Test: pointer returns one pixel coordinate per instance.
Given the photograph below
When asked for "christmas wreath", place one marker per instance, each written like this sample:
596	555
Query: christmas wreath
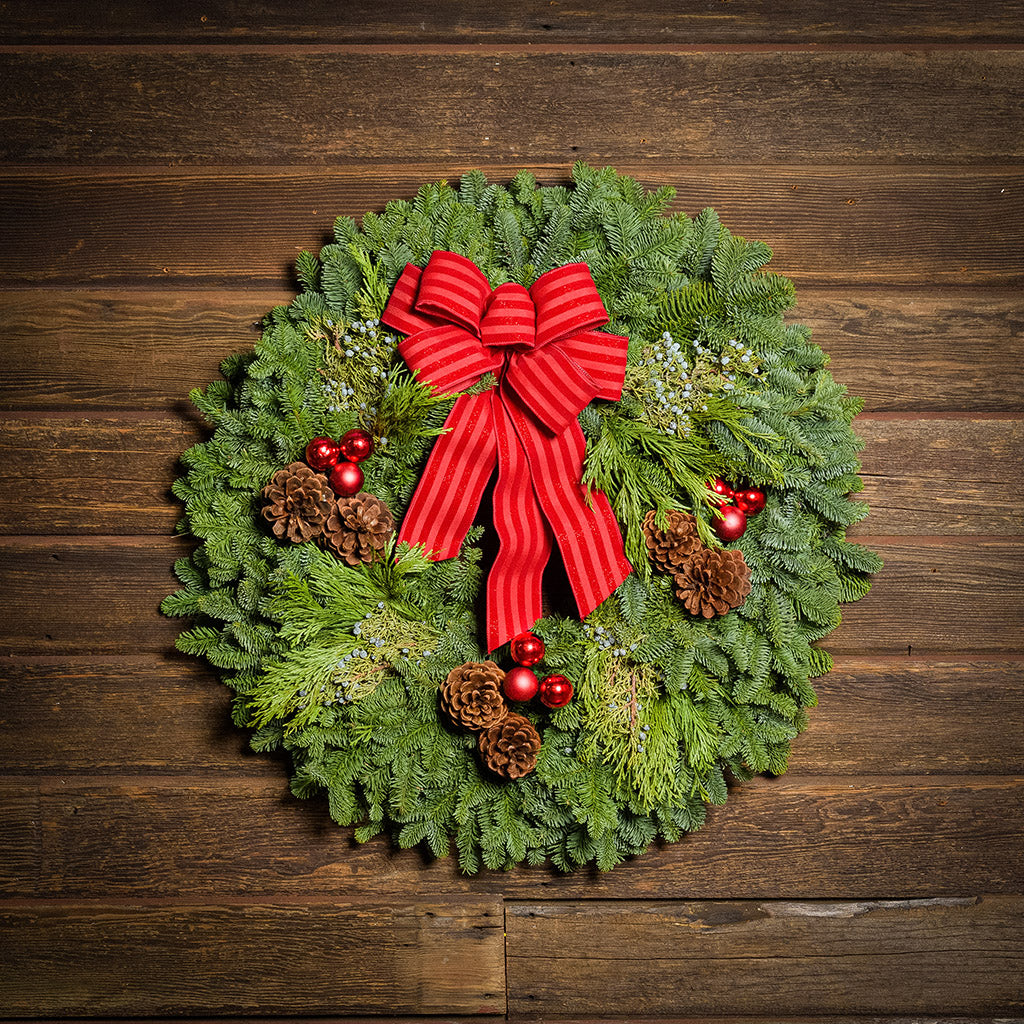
519	525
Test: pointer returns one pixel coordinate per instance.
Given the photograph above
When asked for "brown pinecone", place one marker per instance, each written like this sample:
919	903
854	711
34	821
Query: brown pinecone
670	549
713	581
471	695
358	528
297	502
510	748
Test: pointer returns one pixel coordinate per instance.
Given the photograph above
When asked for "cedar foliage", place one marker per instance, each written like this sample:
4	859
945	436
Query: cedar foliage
341	666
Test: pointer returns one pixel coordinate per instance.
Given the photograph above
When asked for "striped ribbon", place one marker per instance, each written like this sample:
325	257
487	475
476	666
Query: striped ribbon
550	363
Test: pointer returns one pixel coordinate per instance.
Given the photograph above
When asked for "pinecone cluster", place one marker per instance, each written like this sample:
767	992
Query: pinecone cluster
708	581
300	506
471	697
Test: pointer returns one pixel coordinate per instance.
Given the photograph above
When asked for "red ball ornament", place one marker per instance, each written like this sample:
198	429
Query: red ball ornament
750	501
346	479
732	524
719	486
756	500
520	684
322	453
356	445
527	649
555	691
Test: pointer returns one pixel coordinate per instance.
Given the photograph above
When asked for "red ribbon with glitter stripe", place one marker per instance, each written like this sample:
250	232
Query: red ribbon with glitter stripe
550	363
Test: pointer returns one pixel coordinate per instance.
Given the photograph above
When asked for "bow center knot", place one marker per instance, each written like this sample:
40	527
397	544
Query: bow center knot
510	320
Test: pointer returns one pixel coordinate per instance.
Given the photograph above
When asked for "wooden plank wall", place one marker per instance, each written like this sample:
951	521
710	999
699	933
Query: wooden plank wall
162	166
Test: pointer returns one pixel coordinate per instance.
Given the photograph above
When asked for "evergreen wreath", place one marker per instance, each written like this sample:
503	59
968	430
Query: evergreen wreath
696	669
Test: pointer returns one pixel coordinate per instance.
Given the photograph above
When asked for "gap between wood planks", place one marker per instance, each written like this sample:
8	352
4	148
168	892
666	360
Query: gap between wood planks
461	48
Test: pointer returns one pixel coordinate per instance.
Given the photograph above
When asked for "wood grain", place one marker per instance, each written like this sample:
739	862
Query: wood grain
113	474
896	716
112	610
941	476
961	595
878	225
171	716
363	957
941	596
93	475
114	349
795	837
130	715
325	107
109	349
897	957
920	351
541	22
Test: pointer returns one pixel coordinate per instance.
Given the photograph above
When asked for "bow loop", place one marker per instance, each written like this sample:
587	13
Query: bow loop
567	302
448	358
453	288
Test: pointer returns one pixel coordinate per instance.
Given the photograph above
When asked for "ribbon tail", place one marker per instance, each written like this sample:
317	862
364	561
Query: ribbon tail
588	534
514	601
453	482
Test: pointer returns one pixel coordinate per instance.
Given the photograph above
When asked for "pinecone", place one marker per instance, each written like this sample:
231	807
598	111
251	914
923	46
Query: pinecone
358	528
471	695
510	748
713	581
670	549
298	500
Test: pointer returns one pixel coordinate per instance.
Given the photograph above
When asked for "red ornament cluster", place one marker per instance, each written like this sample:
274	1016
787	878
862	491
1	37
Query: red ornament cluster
735	505
521	683
340	460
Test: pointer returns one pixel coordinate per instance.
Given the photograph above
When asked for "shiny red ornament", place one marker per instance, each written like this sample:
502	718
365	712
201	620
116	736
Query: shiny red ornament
527	649
356	445
750	501
555	691
520	684
322	453
719	486
732	524
346	479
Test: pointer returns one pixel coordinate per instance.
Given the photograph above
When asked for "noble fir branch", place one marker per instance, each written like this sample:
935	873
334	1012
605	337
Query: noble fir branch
699	735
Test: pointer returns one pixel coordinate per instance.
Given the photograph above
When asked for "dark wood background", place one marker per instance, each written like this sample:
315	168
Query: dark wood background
164	164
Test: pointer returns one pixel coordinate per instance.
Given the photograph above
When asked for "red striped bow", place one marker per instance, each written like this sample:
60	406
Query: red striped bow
549	364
